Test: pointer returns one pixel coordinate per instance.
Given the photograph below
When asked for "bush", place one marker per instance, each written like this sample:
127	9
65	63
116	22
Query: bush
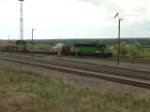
135	49
123	49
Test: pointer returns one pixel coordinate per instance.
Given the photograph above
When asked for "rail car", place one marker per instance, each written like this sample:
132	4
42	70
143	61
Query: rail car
9	48
98	50
15	48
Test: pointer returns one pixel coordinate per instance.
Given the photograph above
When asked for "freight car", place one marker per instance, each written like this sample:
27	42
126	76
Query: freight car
98	50
9	48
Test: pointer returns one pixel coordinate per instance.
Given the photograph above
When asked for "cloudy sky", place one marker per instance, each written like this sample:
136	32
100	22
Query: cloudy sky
68	19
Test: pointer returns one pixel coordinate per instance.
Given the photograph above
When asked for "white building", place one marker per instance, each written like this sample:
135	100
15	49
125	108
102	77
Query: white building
58	46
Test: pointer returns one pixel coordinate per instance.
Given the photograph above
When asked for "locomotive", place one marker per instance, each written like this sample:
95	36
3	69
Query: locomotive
98	50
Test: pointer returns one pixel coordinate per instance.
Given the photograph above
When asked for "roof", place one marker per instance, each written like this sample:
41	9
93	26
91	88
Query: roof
89	45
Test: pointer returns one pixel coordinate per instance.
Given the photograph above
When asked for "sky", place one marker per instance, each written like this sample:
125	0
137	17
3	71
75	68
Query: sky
71	19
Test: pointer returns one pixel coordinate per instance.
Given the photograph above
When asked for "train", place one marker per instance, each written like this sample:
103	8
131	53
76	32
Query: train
98	50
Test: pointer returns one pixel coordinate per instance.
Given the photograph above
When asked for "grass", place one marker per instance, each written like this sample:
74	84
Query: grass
25	91
144	54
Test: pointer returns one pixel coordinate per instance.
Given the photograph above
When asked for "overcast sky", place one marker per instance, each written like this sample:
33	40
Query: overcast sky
66	19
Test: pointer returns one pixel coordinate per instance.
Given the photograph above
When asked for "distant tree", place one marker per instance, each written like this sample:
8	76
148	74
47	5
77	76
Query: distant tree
135	49
94	42
28	46
138	46
31	43
51	43
20	42
123	48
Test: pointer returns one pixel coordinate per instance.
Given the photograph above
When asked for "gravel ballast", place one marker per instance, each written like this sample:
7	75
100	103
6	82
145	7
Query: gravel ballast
79	81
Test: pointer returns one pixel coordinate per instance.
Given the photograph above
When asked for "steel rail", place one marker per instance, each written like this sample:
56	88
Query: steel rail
116	73
84	73
141	71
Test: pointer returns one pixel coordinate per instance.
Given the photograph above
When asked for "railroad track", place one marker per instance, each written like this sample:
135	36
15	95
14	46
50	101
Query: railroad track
83	73
144	75
123	59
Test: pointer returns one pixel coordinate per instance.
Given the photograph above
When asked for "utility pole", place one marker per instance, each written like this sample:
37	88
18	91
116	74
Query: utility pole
32	41
8	40
76	46
118	36
119	41
59	45
131	44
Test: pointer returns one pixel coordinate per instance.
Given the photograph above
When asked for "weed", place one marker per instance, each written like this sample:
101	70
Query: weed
39	93
3	89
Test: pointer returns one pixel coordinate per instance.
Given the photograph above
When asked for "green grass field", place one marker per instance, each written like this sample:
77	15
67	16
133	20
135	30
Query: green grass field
144	54
25	91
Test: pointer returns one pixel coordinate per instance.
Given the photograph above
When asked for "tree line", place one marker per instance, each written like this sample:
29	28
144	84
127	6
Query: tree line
111	41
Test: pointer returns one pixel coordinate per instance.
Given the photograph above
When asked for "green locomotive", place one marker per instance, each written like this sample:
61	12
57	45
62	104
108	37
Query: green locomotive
98	50
91	49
